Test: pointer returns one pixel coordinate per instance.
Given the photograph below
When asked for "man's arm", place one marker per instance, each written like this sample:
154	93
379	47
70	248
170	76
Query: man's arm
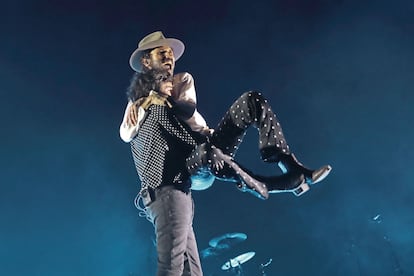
130	123
184	94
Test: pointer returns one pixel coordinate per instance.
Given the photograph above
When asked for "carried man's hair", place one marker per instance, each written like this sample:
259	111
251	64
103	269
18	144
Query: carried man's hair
143	82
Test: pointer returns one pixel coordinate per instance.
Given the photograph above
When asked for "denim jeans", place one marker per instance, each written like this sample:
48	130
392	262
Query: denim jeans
172	211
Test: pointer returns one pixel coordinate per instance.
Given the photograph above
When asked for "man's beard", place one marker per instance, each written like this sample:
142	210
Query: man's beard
168	65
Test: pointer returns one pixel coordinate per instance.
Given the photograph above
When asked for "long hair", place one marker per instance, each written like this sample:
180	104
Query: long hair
143	82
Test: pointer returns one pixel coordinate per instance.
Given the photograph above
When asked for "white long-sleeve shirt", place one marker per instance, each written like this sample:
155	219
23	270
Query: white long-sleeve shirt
183	92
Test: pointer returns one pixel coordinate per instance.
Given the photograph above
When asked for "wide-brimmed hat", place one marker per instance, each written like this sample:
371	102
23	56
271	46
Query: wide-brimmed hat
154	40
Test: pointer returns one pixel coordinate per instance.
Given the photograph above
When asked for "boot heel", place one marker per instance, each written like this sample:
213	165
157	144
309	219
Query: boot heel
303	188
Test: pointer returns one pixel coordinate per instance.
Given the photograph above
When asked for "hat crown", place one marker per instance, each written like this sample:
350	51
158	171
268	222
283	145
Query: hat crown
151	38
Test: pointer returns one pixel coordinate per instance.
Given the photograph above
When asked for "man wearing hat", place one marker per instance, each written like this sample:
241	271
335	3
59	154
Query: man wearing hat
177	250
160	144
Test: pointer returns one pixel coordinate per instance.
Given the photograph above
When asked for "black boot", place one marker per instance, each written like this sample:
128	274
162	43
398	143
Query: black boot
289	164
288	182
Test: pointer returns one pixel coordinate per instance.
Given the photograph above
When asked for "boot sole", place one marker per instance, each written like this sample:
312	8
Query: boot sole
298	191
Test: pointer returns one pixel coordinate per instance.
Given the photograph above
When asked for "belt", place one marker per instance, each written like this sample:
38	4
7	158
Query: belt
149	194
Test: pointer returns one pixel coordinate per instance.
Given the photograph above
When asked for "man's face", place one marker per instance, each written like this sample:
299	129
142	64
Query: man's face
161	58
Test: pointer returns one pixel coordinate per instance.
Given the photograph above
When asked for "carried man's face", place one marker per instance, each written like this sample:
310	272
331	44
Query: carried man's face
161	58
166	87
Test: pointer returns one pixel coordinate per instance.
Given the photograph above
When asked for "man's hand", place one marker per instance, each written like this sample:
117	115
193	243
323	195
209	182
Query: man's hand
217	163
207	131
132	118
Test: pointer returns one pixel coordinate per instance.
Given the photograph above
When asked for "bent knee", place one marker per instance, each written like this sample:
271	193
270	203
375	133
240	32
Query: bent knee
253	94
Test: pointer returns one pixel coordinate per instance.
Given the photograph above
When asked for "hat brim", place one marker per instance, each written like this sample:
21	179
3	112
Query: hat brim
176	45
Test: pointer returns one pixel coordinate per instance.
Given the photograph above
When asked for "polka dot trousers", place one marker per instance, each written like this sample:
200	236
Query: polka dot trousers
251	109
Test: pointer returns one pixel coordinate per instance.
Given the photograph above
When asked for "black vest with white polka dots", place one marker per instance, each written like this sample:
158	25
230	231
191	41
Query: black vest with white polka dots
161	147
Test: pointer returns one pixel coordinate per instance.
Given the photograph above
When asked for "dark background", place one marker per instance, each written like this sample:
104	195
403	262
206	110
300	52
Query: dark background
339	75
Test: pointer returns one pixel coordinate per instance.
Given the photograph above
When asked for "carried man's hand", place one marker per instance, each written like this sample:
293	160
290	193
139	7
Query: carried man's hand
132	118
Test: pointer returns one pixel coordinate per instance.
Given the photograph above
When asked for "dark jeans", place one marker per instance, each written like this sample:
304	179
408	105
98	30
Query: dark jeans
172	211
